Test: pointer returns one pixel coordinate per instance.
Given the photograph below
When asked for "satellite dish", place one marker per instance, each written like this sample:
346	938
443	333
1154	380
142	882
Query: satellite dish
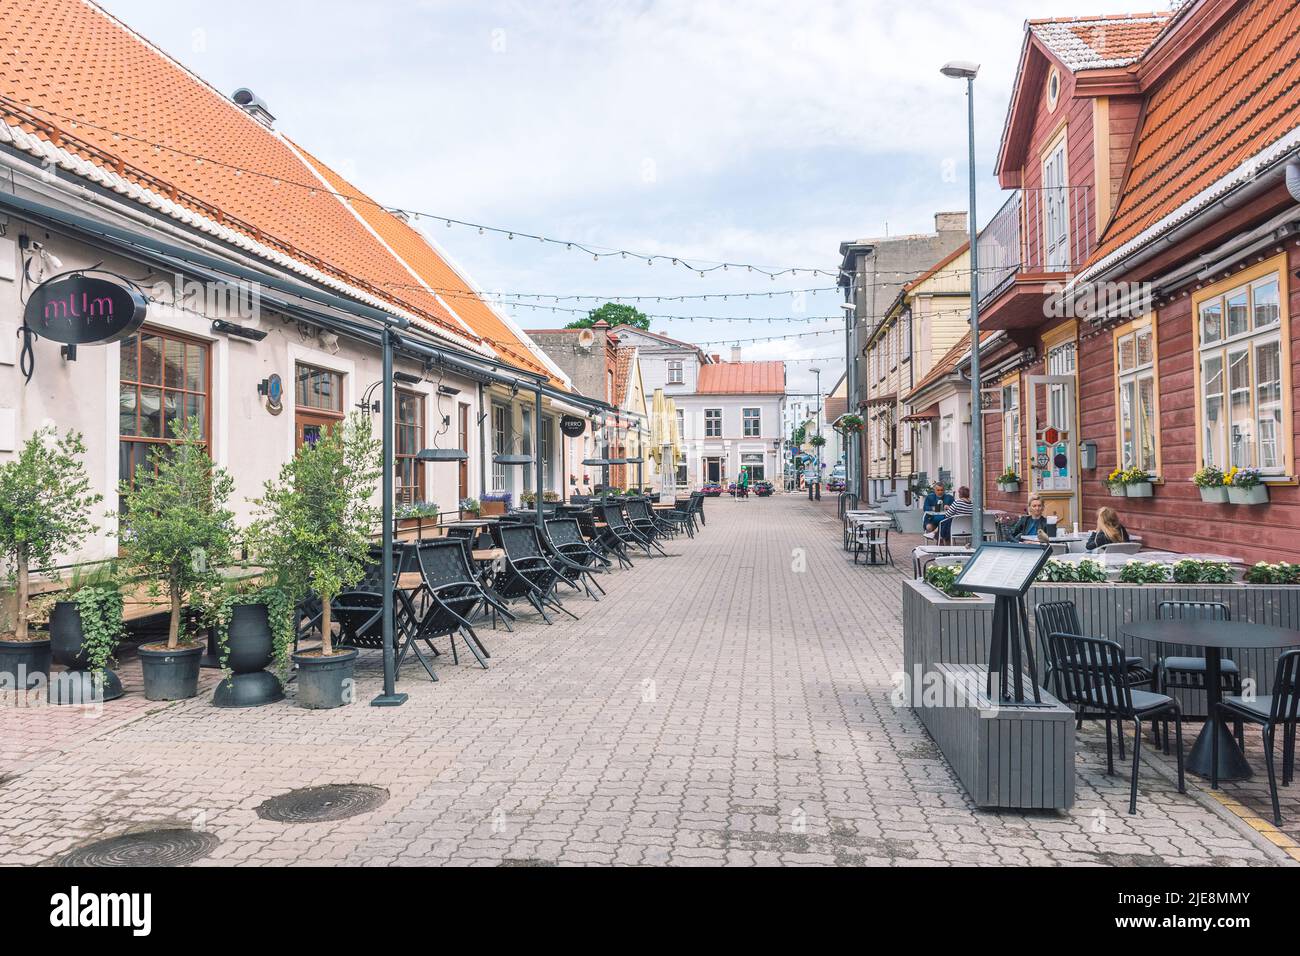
586	339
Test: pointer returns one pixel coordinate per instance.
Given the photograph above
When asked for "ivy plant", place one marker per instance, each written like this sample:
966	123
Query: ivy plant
97	594
315	519
280	608
45	507
177	531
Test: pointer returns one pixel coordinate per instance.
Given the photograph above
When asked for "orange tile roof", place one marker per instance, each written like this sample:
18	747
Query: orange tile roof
1230	98
1100	42
742	378
835	407
623	355
80	79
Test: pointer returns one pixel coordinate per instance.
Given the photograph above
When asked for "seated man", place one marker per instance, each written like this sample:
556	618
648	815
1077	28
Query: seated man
962	506
1031	523
936	504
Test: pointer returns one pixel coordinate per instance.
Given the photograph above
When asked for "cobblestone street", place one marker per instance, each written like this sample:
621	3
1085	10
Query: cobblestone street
727	705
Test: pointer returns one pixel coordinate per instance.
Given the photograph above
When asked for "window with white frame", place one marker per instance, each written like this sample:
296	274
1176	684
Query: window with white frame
676	373
681	424
1062	359
527	445
1056	212
1011	426
500	444
1135	379
753	422
1243	377
713	423
907	336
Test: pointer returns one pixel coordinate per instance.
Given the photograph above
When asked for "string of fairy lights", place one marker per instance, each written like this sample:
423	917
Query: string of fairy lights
551	302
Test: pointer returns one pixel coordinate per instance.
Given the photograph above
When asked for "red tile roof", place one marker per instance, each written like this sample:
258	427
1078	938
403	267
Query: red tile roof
1235	94
623	356
1100	42
79	79
742	378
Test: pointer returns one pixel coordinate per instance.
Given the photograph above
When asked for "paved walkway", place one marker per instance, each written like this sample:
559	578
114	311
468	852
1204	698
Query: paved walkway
727	705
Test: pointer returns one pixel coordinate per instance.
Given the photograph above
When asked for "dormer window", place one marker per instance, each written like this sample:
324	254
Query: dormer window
1053	88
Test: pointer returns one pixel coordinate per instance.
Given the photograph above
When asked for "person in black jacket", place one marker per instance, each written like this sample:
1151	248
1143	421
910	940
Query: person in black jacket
1032	522
1109	530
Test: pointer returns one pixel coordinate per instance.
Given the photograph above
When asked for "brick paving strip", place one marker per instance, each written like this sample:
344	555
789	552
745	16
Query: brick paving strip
728	705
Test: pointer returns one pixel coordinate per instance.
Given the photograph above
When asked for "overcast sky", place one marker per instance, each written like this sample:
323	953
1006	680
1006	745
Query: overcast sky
764	132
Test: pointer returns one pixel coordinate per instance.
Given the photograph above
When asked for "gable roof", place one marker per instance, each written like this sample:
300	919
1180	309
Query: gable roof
950	361
1232	97
742	378
659	336
82	90
1099	42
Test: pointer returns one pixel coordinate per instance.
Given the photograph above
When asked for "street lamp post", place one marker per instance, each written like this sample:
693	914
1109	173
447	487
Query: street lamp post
849	311
817	478
962	70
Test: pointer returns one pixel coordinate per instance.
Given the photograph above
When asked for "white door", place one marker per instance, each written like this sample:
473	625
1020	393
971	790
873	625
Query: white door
1056	214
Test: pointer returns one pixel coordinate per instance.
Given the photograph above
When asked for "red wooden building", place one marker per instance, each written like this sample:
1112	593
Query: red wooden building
1145	270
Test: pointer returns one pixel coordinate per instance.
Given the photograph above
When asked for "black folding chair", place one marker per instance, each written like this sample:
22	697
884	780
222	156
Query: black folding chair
450	594
1273	712
601	540
576	560
624	533
641	518
1091	675
359	610
526	573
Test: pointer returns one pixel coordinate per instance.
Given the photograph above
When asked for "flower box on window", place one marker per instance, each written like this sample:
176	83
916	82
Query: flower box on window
1210	482
1245	486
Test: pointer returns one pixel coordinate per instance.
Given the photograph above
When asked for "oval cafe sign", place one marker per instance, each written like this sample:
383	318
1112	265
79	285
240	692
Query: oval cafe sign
81	310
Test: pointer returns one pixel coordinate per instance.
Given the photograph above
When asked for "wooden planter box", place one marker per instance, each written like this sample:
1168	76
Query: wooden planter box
1004	756
488	508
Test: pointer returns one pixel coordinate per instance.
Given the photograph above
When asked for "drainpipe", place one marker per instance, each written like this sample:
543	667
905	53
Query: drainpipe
482	447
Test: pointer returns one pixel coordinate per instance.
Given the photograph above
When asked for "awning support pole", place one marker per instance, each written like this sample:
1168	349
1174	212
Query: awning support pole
390	697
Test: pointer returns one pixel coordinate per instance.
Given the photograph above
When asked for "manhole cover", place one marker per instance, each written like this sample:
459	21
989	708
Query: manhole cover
336	801
147	848
527	861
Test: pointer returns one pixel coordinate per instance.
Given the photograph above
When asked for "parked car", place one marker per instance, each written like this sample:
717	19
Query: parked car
763	489
712	489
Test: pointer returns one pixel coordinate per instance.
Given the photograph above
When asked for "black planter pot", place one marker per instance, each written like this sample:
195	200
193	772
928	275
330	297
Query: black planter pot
325	682
251	647
170	674
24	663
76	685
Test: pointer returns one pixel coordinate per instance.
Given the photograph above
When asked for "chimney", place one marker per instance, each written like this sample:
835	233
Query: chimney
950	222
249	102
735	353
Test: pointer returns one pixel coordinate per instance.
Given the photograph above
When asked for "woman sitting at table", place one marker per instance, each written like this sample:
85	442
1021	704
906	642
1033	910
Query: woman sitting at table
1109	530
961	507
936	505
1032	522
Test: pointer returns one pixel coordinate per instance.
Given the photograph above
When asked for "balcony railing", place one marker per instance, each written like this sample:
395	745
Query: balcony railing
1041	231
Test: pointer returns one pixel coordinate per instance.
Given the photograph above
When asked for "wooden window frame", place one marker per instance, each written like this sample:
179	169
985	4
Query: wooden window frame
1247	278
399	458
336	413
163	438
1136	374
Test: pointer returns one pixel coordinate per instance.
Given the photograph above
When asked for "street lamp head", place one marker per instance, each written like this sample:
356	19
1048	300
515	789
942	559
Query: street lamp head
847	306
960	70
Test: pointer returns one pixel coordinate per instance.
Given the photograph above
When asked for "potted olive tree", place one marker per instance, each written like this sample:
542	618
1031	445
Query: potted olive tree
177	535
313	530
45	507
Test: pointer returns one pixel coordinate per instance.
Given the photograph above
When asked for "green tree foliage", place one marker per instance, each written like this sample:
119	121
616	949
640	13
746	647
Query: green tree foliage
177	531
613	313
315	520
45	505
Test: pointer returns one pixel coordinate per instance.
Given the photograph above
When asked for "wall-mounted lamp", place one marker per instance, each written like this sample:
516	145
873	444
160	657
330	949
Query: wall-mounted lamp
441	454
238	331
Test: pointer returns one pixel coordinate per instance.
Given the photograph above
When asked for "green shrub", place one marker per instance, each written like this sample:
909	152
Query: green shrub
1194	571
1144	572
1279	573
943	576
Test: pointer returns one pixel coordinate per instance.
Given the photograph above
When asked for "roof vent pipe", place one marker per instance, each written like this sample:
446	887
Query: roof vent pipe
1293	180
249	102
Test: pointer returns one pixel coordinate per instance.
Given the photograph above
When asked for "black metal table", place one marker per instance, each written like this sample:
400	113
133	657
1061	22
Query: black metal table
1212	637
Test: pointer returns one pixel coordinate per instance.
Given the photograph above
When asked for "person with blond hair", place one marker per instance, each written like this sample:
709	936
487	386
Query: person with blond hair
1109	530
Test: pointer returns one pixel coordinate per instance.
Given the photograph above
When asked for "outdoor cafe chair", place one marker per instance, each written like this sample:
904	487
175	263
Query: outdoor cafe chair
1179	671
1092	674
359	610
620	529
574	554
872	536
641	520
451	594
1062	617
1119	547
1273	712
601	540
526	573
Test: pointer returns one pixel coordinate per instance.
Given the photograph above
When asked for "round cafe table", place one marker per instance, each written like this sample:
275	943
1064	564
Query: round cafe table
1213	637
